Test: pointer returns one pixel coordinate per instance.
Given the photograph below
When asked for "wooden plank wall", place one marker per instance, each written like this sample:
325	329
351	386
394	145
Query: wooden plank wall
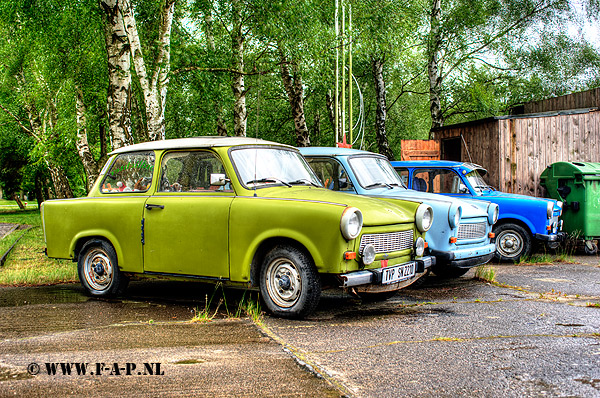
584	99
482	143
515	151
420	150
529	145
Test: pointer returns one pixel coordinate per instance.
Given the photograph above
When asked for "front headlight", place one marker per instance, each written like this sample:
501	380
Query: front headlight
549	209
351	222
454	216
493	213
420	247
424	217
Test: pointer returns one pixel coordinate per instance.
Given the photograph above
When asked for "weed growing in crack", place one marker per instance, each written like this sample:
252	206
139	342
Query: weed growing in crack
485	273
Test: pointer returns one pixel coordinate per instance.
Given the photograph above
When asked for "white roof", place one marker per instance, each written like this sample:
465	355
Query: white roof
195	142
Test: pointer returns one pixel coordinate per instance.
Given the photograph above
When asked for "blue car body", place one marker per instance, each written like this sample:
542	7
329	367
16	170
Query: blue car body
458	242
537	217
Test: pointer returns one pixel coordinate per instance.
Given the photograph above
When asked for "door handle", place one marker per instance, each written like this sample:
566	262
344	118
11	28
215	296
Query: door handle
150	207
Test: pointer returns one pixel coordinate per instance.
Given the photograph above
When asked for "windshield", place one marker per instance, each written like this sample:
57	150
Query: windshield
374	172
258	167
477	182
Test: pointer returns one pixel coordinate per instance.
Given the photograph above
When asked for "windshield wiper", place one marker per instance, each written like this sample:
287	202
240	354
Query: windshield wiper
484	187
379	184
268	179
302	181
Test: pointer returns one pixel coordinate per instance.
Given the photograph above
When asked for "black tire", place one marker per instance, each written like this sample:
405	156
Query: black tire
421	281
446	272
512	242
289	283
99	271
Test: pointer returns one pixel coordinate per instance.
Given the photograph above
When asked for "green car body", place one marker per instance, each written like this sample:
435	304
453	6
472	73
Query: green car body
215	224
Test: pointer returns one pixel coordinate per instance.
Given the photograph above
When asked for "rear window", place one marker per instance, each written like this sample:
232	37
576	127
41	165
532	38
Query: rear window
130	172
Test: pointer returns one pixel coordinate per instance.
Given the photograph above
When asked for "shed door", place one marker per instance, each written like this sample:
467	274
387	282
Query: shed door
451	149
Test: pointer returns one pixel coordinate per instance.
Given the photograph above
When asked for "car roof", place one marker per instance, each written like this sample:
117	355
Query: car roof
195	142
438	163
333	151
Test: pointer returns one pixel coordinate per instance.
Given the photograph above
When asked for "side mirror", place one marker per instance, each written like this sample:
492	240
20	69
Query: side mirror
218	180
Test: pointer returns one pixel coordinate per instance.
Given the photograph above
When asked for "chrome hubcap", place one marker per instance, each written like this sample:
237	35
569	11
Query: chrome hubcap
98	270
283	283
510	243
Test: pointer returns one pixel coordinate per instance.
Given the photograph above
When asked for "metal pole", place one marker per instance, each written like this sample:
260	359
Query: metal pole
337	71
343	71
350	126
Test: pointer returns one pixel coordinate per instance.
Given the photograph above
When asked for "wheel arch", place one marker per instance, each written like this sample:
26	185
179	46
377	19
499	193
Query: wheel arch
522	223
82	239
264	247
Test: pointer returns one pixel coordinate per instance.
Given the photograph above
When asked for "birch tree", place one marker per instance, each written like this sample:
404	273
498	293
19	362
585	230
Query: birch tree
119	74
153	76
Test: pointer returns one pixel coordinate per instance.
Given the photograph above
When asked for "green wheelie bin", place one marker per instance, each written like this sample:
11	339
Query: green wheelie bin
577	184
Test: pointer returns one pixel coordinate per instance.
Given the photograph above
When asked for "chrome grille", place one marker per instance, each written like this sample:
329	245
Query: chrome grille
390	242
471	231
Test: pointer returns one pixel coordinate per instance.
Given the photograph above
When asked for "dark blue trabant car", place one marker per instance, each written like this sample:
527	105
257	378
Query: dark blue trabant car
523	220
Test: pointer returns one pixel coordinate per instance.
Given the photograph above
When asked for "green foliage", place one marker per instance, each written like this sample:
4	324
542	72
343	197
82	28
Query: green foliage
495	53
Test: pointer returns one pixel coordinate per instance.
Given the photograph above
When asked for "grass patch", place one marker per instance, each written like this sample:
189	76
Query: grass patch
595	305
27	264
546	259
485	273
247	306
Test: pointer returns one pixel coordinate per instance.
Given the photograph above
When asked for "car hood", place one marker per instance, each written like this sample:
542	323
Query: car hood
505	195
375	211
440	203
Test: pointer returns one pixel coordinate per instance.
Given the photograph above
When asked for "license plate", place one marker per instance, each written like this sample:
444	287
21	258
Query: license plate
398	273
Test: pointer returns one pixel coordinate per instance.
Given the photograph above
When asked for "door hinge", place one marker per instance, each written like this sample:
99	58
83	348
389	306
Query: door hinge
142	231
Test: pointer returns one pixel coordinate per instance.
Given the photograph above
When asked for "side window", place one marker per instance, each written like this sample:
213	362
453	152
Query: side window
130	172
403	173
437	181
193	171
331	173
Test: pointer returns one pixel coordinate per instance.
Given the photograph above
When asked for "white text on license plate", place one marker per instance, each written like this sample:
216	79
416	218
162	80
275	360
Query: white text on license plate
397	273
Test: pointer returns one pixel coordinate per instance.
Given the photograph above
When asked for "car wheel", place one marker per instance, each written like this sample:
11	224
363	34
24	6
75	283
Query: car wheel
512	242
99	271
289	282
590	247
446	272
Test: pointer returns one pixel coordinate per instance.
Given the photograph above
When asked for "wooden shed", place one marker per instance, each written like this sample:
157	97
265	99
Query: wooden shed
516	148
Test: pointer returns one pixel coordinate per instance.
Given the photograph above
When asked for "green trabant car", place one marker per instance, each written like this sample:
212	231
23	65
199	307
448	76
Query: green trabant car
243	211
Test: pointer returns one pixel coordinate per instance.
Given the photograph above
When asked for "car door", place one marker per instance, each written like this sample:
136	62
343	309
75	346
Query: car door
186	221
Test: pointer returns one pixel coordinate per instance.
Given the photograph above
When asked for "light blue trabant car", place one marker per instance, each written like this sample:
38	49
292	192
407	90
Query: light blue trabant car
523	220
461	235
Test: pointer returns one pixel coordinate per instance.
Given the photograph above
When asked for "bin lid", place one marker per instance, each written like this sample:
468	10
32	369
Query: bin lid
583	170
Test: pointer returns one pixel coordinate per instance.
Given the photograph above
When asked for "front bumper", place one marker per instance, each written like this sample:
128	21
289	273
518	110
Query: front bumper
465	258
373	276
558	237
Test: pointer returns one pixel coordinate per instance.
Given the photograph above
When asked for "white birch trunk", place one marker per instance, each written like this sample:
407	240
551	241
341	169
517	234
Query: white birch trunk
154	87
119	75
237	85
